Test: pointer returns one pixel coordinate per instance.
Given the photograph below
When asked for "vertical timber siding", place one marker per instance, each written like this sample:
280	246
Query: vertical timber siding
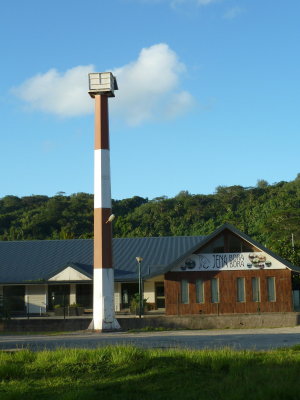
228	292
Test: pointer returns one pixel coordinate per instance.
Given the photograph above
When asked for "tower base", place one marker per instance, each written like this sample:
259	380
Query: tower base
105	326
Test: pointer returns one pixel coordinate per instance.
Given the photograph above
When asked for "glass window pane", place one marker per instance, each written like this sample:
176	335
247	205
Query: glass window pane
215	290
199	291
255	289
240	284
184	291
217	246
271	288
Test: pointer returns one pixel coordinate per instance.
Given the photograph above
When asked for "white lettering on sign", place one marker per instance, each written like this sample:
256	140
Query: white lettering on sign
229	261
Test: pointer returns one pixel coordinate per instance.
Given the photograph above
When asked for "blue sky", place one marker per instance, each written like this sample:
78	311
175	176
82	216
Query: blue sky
208	94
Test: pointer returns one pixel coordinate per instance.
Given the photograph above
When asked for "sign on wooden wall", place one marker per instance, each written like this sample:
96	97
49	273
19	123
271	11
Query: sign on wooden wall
229	262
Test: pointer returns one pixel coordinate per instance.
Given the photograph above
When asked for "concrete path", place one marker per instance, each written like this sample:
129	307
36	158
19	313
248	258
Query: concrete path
254	339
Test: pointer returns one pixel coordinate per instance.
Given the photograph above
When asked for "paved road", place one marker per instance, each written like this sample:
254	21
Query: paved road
257	339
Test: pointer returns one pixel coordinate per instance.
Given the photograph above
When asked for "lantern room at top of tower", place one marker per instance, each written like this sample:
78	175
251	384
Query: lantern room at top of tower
103	83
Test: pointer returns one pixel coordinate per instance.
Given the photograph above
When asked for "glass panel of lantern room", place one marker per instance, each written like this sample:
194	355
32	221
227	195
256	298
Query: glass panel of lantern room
184	291
271	288
199	291
255	289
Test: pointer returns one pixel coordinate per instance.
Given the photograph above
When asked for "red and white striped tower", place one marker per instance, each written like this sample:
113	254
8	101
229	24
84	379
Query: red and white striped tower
102	86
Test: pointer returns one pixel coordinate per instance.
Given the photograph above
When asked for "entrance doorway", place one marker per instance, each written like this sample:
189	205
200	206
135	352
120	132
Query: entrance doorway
128	290
160	302
84	295
58	295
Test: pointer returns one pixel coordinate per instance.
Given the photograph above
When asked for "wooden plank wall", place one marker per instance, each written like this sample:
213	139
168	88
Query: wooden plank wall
228	292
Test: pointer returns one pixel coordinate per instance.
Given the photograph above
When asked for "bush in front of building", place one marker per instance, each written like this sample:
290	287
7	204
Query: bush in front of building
135	304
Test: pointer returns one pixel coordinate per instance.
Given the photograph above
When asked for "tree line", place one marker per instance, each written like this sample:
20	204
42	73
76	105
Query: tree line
268	213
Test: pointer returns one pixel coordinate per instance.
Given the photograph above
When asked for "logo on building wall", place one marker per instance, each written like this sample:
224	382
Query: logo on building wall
228	261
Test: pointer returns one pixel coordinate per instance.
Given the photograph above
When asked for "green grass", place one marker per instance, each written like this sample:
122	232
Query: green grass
129	373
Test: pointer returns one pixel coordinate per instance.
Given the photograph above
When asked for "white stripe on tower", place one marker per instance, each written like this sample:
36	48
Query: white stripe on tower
103	308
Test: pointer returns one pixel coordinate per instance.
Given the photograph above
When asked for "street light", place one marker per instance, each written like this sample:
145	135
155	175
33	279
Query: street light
139	260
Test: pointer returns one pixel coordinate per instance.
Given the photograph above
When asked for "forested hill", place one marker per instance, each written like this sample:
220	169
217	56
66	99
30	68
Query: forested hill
268	213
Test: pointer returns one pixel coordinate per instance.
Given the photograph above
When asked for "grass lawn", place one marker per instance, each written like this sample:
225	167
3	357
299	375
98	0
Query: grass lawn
129	373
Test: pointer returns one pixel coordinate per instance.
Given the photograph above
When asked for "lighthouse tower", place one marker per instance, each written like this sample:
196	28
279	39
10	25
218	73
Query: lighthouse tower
101	86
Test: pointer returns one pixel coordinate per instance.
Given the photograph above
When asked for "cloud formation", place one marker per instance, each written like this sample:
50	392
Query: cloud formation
61	94
149	89
148	86
178	2
233	13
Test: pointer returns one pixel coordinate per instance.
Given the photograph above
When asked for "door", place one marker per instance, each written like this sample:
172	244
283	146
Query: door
159	295
128	290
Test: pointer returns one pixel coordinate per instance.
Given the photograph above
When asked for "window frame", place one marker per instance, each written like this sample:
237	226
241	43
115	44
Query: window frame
215	299
184	291
200	299
256	296
269	278
239	298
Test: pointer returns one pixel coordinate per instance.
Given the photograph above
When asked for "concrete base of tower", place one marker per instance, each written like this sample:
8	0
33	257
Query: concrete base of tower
104	308
110	326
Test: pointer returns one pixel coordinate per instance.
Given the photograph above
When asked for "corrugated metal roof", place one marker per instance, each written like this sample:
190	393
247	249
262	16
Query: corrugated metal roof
38	260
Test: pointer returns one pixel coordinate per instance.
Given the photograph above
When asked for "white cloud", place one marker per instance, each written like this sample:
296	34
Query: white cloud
179	104
178	2
149	88
233	13
61	94
205	2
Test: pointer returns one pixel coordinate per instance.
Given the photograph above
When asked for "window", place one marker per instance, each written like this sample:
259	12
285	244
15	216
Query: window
199	291
215	290
255	289
271	288
216	246
240	287
237	245
227	243
184	291
15	297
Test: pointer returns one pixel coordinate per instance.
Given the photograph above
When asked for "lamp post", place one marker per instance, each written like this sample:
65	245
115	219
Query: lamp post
101	86
139	260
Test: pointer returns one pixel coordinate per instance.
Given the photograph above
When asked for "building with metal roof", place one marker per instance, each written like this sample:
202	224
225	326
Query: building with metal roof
220	273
